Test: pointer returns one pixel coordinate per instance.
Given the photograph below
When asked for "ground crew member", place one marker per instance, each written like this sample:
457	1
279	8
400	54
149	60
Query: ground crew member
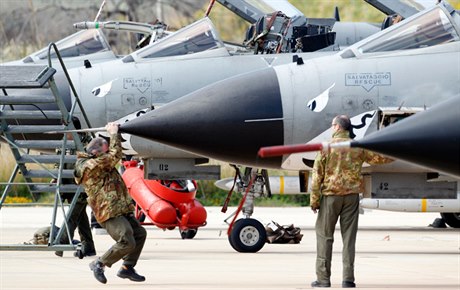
336	184
112	206
78	218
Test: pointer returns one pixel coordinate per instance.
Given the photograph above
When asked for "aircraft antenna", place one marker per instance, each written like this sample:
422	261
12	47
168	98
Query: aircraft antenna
337	14
100	10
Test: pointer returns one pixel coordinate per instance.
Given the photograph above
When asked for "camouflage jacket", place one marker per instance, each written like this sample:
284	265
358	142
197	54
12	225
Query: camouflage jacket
338	172
107	193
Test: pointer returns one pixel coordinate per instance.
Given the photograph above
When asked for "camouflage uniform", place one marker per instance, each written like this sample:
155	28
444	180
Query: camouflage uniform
112	206
336	184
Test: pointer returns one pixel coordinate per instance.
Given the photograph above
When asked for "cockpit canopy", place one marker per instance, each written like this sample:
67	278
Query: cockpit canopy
81	43
433	27
197	37
253	10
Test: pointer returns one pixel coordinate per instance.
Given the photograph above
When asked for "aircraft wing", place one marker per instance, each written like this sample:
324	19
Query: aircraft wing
253	10
405	8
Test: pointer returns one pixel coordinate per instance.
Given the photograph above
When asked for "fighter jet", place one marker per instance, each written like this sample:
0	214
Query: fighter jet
398	72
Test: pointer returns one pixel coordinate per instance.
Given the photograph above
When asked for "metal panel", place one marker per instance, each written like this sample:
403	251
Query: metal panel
410	185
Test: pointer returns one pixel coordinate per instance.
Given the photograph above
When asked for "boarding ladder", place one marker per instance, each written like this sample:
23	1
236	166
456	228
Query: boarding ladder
22	127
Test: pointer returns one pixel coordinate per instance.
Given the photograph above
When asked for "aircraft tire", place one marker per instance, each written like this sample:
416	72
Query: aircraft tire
451	218
247	236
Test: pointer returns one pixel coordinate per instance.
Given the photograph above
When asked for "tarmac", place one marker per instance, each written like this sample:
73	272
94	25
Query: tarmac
394	251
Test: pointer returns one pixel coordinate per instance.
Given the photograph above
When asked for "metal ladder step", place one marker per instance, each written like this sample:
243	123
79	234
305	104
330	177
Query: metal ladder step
25	76
35	173
14	129
52	188
25	100
26	158
44	144
31	115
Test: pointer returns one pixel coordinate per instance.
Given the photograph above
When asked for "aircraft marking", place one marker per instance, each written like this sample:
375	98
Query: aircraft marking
281	185
368	80
362	125
269	60
142	84
368	104
103	90
320	102
158	81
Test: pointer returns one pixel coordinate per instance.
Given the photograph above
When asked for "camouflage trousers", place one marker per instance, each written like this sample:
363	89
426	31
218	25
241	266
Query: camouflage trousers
130	237
331	208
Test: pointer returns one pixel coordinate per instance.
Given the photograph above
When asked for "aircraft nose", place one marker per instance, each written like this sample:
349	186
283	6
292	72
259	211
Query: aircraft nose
228	120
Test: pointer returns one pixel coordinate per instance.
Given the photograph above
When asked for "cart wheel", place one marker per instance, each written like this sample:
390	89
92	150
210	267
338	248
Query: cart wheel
188	234
79	254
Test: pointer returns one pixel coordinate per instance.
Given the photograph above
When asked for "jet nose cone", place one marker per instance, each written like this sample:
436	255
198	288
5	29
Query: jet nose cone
229	120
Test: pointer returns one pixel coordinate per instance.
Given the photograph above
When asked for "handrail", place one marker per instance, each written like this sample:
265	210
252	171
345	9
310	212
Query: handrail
57	200
52	44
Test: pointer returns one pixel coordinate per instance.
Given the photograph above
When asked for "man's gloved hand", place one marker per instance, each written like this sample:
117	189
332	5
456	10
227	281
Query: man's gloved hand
112	128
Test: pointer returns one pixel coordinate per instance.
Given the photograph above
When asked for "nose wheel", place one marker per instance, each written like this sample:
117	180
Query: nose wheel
247	236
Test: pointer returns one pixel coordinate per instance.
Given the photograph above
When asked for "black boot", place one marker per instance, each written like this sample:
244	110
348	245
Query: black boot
59	253
318	284
88	251
348	284
98	269
128	272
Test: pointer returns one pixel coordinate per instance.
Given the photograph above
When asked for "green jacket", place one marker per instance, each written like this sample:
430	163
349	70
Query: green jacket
108	196
338	172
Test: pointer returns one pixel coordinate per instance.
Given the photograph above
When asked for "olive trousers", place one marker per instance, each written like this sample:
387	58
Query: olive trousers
331	208
130	237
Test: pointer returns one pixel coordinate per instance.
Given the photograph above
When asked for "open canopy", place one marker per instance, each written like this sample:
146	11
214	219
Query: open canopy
431	27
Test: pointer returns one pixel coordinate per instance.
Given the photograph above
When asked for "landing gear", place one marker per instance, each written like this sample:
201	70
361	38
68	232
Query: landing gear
247	236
